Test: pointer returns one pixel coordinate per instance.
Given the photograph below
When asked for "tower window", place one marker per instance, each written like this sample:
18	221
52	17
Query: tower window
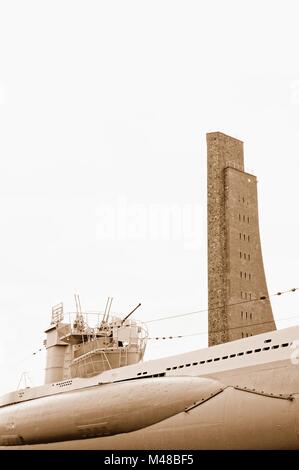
241	313
240	273
240	254
239	216
240	236
243	218
250	296
248	238
245	275
250	316
248	257
244	255
244	236
246	314
248	219
242	334
249	275
243	199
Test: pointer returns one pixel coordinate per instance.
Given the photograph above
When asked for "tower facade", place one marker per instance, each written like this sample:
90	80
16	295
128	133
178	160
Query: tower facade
236	274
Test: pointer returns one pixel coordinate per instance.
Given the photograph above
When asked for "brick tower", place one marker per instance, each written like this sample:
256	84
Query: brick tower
235	264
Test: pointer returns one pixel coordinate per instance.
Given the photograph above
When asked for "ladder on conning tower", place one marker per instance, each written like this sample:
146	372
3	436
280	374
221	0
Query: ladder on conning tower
123	357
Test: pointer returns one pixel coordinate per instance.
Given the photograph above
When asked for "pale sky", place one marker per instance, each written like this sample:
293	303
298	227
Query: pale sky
104	107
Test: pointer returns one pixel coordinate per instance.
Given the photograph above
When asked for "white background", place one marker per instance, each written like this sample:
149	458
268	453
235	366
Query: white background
103	100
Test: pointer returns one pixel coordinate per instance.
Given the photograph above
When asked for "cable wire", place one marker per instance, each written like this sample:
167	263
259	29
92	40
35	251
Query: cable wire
218	331
258	299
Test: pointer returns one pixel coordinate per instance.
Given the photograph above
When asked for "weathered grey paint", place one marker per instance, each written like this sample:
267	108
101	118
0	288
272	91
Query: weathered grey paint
244	396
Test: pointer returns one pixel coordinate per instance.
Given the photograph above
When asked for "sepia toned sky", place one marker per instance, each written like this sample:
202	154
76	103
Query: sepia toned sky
104	107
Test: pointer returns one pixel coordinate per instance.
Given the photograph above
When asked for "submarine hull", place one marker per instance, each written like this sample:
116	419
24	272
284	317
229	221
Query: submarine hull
102	410
167	413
